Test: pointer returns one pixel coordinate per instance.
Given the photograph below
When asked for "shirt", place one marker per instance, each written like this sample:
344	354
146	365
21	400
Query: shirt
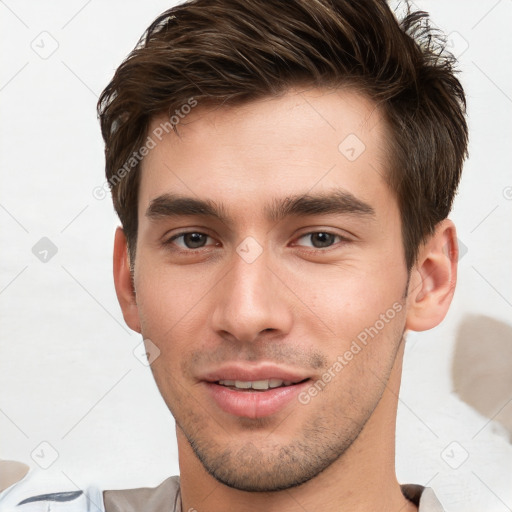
32	494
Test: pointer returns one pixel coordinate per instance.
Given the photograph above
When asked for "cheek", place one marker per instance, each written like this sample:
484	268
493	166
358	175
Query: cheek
174	306
345	299
360	359
166	297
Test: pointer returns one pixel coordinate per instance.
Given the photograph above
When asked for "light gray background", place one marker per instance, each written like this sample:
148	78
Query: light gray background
69	377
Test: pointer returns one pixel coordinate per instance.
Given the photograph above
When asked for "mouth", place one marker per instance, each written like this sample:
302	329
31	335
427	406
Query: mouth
254	392
257	385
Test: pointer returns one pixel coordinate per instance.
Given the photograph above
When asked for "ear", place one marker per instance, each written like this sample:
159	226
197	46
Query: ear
433	279
123	282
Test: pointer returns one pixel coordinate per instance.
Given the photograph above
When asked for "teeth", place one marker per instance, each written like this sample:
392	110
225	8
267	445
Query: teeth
256	384
275	383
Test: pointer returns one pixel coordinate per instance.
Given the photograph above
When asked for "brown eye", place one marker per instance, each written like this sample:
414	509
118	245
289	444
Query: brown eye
192	240
319	239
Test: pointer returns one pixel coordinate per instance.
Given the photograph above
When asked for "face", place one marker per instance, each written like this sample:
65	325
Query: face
270	275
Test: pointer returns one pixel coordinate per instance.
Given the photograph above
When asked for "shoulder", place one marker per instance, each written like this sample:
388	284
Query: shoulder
11	472
41	493
423	497
149	499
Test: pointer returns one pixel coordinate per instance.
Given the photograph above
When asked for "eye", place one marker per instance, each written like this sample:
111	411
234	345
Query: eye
190	240
319	239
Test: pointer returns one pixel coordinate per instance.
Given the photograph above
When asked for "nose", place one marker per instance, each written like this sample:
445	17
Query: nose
252	300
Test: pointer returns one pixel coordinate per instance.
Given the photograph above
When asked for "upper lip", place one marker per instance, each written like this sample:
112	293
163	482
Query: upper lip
251	373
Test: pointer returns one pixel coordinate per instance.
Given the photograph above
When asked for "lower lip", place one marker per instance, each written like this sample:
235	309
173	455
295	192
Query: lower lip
253	404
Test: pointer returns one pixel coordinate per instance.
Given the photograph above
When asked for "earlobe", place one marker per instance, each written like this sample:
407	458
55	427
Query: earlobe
123	282
433	279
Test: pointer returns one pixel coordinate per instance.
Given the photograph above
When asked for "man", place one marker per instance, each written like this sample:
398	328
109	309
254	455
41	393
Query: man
283	173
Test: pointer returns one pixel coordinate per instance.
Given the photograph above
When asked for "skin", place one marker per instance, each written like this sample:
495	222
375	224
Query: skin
296	305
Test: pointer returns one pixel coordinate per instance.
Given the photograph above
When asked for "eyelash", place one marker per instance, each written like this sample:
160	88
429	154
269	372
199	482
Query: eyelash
341	239
181	235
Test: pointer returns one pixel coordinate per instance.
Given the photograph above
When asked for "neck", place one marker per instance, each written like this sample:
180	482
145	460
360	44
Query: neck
362	480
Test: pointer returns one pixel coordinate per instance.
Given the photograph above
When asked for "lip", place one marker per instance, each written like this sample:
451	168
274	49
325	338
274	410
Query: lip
253	404
252	373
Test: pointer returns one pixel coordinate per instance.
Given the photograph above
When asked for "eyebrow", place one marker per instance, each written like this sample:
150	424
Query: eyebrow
171	205
338	202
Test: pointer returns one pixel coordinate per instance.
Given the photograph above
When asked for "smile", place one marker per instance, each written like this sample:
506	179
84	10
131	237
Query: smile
258	385
253	402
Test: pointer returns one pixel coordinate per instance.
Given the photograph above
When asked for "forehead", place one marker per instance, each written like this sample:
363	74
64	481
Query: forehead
299	142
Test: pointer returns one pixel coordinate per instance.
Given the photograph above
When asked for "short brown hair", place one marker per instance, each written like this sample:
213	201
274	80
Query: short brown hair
232	51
